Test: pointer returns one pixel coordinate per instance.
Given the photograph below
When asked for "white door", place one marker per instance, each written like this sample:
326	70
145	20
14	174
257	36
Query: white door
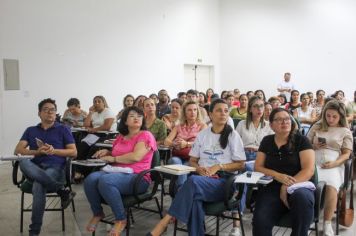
198	77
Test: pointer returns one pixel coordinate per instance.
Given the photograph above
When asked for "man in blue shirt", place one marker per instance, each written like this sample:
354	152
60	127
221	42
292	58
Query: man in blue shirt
50	142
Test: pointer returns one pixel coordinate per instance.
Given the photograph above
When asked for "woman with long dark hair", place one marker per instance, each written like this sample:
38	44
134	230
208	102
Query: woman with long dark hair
217	151
289	158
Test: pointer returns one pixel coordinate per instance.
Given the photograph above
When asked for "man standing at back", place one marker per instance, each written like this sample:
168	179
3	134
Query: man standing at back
50	142
285	87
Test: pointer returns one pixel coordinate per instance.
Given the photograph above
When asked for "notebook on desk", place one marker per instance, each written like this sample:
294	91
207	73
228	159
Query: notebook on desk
175	169
253	177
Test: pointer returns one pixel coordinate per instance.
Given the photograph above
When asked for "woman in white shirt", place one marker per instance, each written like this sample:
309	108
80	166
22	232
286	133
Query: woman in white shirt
305	113
216	152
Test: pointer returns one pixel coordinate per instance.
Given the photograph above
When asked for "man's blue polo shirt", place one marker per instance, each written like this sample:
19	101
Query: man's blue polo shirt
58	136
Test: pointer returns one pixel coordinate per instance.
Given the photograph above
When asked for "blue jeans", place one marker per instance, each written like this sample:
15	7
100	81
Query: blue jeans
181	178
269	209
187	206
250	156
45	179
110	187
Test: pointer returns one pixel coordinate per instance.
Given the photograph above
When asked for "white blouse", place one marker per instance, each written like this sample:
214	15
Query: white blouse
252	137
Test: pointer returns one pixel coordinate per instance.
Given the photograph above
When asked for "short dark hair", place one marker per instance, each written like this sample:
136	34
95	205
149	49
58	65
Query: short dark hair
44	101
177	100
192	91
73	102
181	94
123	128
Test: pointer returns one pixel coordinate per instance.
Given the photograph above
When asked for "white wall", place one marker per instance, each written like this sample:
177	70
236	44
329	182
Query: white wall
314	40
81	48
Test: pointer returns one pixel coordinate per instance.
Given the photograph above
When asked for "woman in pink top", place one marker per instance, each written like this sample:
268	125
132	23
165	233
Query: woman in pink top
182	137
132	149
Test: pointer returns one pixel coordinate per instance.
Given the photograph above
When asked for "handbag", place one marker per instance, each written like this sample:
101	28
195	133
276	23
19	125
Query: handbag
183	153
346	216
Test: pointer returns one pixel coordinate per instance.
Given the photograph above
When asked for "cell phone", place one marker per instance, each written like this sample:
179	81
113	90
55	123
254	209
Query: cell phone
266	177
322	140
39	142
249	174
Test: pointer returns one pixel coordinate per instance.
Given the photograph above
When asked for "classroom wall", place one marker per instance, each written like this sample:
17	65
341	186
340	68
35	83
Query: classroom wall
314	40
81	48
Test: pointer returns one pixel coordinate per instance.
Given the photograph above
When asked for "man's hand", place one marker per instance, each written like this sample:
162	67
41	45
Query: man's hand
213	169
46	149
203	171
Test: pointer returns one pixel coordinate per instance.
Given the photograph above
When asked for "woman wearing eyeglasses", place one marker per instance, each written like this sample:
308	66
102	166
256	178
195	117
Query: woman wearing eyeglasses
133	150
289	158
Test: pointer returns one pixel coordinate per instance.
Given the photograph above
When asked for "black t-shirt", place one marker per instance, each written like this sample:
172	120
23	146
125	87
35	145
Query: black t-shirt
284	160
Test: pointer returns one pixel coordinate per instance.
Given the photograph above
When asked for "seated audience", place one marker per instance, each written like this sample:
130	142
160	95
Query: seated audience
332	142
305	113
240	112
236	102
162	106
283	100
127	102
289	158
275	102
182	96
192	95
294	101
154	97
74	116
250	94
311	99
268	110
261	94
182	137
154	125
209	93
319	103
172	119
139	101
202	100
50	142
229	101
217	151
100	118
133	149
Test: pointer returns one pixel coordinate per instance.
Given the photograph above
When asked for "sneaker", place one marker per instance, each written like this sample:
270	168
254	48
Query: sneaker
66	196
235	231
328	229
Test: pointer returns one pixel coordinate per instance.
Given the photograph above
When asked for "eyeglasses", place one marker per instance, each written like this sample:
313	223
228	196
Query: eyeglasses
135	116
47	110
281	120
258	106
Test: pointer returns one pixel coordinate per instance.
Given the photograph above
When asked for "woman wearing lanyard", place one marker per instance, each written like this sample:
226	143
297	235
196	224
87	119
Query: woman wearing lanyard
216	151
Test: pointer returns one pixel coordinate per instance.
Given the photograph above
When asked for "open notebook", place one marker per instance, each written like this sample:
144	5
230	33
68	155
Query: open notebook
253	177
175	169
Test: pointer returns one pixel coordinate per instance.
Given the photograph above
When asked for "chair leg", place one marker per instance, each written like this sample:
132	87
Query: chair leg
241	223
316	229
338	206
73	206
63	220
159	208
217	225
175	228
128	225
21	211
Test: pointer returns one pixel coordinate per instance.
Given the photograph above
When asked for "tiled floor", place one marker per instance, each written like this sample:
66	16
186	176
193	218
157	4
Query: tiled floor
76	222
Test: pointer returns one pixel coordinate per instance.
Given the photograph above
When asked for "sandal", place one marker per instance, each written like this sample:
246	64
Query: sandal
118	227
93	223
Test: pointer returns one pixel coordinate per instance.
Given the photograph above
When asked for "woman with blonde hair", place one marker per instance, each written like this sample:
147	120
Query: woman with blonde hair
182	137
332	141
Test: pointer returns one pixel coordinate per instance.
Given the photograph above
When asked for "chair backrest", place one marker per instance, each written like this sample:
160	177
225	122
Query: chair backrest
348	173
156	160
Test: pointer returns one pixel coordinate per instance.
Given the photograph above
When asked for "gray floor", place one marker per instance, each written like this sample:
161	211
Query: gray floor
76	222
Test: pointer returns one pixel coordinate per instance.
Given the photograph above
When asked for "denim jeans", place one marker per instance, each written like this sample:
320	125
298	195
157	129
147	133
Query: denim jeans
110	187
269	209
250	156
181	178
45	179
187	206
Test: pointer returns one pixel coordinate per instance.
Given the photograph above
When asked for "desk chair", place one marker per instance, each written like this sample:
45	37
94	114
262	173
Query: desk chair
230	202
53	200
134	200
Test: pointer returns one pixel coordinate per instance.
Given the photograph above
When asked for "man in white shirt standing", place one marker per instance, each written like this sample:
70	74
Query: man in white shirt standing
285	87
